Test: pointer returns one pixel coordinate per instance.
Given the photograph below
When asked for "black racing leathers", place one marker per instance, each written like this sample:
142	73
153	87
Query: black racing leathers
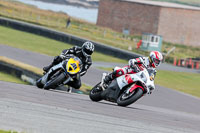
77	51
87	62
74	51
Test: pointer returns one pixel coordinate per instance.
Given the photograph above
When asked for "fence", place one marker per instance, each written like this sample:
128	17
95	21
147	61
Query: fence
189	63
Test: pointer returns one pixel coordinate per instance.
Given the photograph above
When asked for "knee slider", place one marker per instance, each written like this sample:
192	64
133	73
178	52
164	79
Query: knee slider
57	60
77	86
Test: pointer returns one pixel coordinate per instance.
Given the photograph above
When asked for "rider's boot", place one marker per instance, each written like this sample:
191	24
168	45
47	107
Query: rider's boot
46	69
56	60
108	78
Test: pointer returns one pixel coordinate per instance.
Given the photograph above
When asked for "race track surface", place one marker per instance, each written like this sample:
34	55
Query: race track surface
25	107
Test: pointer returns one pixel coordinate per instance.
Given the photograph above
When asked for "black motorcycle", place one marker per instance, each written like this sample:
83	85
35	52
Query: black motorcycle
60	74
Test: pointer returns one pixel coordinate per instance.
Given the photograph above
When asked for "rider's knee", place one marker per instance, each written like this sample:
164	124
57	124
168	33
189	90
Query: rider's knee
77	86
57	59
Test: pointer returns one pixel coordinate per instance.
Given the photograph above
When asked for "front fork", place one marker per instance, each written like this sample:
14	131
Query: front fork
46	76
68	78
102	81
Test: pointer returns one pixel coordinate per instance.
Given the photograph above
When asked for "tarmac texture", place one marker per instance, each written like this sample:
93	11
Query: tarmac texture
25	108
29	109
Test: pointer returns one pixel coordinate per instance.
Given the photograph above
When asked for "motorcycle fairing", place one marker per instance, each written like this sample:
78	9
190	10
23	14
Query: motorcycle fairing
137	77
128	78
123	81
112	92
73	66
45	77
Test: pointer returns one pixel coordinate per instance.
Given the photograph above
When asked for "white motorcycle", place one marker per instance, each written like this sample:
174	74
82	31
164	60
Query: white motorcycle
125	89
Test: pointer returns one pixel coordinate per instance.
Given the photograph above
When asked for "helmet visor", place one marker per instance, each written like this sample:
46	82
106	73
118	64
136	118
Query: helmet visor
156	61
87	52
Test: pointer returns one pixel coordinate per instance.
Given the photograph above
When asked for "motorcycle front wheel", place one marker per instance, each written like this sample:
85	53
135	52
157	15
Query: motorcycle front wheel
39	84
127	99
55	81
95	93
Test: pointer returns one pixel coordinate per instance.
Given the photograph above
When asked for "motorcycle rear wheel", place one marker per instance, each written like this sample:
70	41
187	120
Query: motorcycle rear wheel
125	100
95	95
54	82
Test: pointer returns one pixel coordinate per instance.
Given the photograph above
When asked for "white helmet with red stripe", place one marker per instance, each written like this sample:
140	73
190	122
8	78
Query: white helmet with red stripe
155	58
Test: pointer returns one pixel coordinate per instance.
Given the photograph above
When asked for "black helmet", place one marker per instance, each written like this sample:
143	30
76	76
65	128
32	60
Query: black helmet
87	48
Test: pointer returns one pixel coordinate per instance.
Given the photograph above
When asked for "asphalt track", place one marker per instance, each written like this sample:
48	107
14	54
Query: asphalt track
27	108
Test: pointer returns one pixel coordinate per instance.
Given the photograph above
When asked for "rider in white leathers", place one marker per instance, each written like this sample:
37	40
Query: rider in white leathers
152	61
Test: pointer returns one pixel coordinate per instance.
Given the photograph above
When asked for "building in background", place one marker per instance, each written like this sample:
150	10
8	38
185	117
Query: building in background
151	42
174	22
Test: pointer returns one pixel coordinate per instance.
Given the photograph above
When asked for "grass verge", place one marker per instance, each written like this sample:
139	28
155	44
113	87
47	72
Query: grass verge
57	21
21	65
3	131
10	78
181	81
36	43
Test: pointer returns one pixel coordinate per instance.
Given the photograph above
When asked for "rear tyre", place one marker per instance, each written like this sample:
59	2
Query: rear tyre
95	93
127	99
54	82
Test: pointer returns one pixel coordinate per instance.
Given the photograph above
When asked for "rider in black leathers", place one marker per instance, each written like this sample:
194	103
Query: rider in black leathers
84	53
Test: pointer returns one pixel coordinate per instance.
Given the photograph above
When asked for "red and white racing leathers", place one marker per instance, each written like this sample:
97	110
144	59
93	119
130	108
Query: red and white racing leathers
131	69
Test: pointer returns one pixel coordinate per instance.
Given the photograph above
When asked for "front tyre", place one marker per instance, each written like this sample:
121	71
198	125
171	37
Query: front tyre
95	93
127	99
55	81
39	84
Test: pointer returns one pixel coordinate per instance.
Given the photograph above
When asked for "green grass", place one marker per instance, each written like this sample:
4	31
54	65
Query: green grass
2	131
57	21
184	82
85	88
10	78
38	44
42	45
106	68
